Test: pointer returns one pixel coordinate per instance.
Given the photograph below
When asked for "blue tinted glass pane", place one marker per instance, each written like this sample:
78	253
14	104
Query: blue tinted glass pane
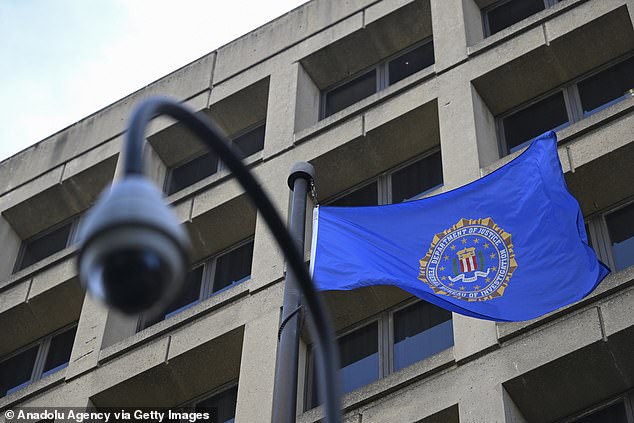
621	230
359	357
360	373
15	372
423	345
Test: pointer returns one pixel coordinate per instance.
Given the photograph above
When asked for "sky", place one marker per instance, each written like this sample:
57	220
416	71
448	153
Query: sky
62	60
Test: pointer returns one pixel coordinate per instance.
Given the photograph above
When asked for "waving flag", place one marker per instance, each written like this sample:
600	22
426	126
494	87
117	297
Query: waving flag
510	246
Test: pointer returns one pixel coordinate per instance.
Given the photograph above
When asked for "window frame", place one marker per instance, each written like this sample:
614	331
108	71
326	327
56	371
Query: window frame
384	181
190	405
206	284
74	221
601	226
385	342
627	398
571	97
220	166
486	27
382	75
43	345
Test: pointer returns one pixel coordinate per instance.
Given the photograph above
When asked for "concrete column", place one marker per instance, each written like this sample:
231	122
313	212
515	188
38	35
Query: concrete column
487	405
10	248
89	337
448	26
115	325
307	100
281	109
257	369
460	153
472	22
268	259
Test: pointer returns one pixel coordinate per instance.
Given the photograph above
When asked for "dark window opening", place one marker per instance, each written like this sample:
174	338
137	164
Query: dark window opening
43	245
378	78
505	14
544	115
233	267
250	142
615	413
364	196
607	87
621	230
221	407
417	178
191	172
349	93
417	331
411	62
45	357
228	269
199	168
16	371
59	351
420	331
190	294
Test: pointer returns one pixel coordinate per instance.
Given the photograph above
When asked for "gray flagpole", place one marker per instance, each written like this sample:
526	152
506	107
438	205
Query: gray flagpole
285	396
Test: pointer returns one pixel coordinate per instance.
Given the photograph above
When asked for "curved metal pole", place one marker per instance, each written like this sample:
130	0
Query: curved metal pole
327	357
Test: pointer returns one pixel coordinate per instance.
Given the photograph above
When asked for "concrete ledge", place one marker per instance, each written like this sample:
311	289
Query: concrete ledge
164	327
40	266
585	138
610	287
378	104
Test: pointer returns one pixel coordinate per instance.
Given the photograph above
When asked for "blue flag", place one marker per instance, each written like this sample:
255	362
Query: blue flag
510	246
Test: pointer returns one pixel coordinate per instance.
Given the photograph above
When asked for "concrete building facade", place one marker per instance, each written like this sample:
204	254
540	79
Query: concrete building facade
389	100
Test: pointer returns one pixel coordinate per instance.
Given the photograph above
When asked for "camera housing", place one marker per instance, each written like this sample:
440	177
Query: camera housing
133	253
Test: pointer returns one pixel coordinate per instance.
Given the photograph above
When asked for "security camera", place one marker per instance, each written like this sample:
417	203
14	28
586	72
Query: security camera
133	252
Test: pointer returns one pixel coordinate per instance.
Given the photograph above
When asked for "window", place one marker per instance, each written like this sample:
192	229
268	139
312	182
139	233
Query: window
390	342
607	87
221	406
407	182
377	78
198	168
617	410
46	243
36	361
621	232
544	115
503	14
420	330
205	280
570	103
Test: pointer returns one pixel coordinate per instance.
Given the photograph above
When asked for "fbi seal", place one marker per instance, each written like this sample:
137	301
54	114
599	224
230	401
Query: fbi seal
472	261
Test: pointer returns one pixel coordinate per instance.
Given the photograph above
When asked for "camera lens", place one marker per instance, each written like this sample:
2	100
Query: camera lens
133	279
